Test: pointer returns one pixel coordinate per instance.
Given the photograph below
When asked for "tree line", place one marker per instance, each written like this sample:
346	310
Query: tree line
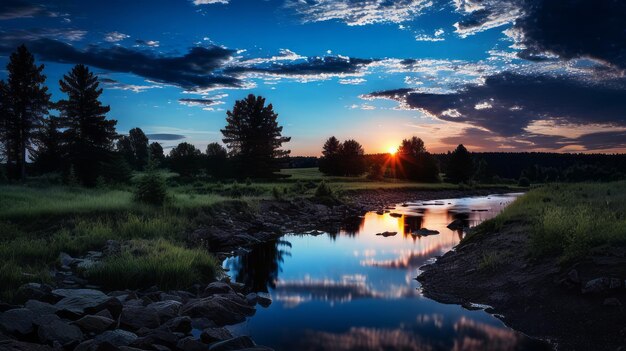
82	144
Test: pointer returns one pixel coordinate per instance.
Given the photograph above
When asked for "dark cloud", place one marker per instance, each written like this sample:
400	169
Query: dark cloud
199	68
197	102
12	9
329	65
507	103
165	136
28	35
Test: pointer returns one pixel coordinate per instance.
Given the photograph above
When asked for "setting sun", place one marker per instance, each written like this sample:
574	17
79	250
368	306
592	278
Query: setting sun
392	150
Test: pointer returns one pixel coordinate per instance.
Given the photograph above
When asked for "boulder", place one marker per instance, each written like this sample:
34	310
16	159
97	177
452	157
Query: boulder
40	308
78	302
252	299
177	325
189	344
238	343
59	331
598	285
166	309
95	324
264	299
612	302
426	232
456	224
14	345
218	288
211	335
116	338
572	276
18	321
156	337
34	291
223	310
134	318
386	234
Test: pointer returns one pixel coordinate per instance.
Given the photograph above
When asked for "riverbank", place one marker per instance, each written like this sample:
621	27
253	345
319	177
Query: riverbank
552	265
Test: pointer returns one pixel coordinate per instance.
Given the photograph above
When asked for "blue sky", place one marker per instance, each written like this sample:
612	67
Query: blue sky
374	70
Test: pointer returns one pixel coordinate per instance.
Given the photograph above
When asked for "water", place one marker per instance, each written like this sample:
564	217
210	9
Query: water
354	290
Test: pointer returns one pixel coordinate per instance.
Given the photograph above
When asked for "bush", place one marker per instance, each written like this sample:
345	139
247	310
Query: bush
151	189
324	190
376	172
524	182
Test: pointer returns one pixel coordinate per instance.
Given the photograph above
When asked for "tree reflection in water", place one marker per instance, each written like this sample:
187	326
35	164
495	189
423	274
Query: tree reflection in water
259	268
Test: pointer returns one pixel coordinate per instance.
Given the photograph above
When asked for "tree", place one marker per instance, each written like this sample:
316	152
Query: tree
460	165
415	163
156	154
329	162
185	159
89	135
376	172
4	120
254	138
135	148
48	154
352	158
216	160
26	102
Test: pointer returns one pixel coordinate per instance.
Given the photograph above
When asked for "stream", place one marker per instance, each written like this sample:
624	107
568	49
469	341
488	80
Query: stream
355	290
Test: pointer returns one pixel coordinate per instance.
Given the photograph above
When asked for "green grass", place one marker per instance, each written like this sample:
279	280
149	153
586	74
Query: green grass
161	263
567	220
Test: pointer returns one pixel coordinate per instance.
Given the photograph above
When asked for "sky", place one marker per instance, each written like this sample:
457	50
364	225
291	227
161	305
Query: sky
495	75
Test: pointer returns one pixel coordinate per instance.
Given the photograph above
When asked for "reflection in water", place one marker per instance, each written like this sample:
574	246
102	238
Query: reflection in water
354	290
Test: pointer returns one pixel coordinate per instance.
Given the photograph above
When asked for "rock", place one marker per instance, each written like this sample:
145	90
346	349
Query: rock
222	310
77	302
211	335
65	260
597	285
134	318
172	297
104	313
238	343
189	344
218	288
156	337
395	215
115	338
252	299
425	232
59	331
40	308
178	325
45	319
18	321
386	234
166	309
202	323
264	299
95	324
455	224
34	291
14	345
572	276
112	247
612	301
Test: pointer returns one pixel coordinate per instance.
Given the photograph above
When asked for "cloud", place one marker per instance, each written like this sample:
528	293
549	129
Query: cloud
150	43
117	85
199	68
358	12
13	9
165	136
506	104
436	36
207	103
114	37
352	81
209	2
19	36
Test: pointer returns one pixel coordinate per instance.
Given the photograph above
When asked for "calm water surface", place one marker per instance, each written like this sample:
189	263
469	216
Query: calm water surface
354	290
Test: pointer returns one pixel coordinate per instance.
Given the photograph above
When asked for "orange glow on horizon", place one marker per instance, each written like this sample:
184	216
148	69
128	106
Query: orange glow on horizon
392	150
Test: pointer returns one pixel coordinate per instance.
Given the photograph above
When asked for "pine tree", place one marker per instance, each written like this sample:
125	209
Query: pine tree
329	162
216	160
254	137
156	154
460	165
415	162
48	155
352	158
185	159
26	103
134	148
4	120
89	135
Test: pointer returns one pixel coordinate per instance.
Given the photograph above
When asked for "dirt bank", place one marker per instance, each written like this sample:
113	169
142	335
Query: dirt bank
575	306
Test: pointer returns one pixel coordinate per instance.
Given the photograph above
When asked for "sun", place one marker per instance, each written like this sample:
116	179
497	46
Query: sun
392	150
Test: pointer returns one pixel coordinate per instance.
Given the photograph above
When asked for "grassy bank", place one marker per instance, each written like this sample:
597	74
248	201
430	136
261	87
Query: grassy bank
567	220
39	221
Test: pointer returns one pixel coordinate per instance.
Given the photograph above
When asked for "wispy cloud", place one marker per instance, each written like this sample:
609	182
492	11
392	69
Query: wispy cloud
114	37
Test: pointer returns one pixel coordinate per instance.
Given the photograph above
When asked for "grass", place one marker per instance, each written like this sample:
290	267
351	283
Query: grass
161	263
567	220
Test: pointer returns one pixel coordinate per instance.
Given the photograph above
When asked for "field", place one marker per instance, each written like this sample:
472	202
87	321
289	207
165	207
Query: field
568	220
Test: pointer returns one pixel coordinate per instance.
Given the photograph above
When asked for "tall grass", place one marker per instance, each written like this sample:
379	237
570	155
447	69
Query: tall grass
567	220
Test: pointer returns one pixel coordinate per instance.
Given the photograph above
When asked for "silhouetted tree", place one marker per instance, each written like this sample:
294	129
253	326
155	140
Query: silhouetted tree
4	120
185	159
48	155
352	158
88	134
156	154
254	137
329	162
415	163
482	171
460	165
216	160
376	171
26	102
134	148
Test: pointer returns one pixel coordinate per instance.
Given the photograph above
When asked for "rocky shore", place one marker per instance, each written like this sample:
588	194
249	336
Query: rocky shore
575	307
75	315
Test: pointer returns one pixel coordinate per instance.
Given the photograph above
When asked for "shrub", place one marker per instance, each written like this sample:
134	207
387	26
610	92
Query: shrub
151	189
376	172
523	181
324	190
